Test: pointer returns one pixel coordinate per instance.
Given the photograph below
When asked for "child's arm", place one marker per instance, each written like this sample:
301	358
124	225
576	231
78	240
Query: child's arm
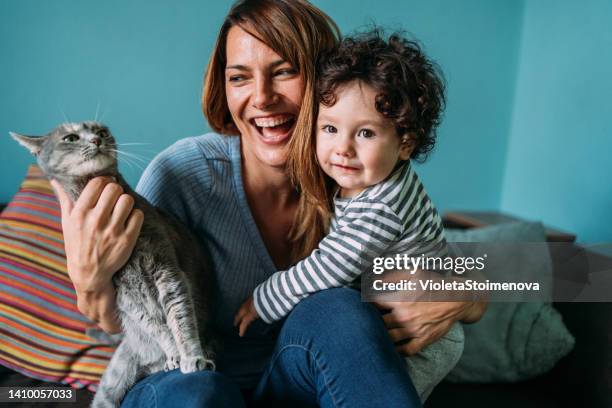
340	258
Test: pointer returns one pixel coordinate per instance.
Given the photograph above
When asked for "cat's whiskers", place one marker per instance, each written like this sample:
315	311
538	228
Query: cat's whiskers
97	110
86	151
141	158
151	151
66	120
102	117
131	163
131	158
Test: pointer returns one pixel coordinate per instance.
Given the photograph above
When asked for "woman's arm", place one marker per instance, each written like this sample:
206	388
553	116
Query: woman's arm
100	231
413	325
474	311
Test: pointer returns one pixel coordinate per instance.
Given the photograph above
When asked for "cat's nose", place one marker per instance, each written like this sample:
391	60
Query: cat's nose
96	141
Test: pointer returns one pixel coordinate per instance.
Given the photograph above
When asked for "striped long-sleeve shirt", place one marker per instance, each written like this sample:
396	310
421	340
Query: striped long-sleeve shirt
393	217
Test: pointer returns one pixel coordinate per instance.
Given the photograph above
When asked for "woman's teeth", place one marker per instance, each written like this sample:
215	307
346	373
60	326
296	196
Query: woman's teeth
274	129
272	122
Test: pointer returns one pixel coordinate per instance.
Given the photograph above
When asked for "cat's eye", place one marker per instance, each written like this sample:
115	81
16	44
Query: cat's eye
71	138
102	133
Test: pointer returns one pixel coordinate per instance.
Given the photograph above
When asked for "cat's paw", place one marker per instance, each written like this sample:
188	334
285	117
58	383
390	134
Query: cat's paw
209	364
196	363
172	363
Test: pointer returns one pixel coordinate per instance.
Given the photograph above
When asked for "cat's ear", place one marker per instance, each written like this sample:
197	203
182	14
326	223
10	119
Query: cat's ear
32	143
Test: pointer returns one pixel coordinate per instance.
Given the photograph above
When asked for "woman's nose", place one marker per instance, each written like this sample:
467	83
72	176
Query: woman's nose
264	94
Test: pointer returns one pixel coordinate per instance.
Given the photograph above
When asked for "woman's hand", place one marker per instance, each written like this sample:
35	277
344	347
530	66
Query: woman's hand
415	325
100	231
246	315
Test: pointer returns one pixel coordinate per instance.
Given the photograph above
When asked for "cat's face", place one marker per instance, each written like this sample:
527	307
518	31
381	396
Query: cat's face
74	149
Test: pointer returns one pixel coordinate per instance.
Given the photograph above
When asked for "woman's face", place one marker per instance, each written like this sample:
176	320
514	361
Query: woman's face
264	94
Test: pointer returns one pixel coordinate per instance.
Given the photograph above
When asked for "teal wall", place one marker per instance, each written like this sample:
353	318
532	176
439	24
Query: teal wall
559	165
142	62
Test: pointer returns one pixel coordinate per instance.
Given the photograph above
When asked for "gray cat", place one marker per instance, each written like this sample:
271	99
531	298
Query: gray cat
161	284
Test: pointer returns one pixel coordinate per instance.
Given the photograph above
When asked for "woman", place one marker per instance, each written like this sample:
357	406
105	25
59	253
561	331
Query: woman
234	191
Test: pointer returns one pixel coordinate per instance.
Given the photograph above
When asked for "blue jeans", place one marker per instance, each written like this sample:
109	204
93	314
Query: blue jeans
332	351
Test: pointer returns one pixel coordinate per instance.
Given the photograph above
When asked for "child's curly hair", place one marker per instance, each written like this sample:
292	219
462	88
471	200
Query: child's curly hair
410	87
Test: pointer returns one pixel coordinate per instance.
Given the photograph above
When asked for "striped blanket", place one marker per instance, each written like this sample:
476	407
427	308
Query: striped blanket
42	334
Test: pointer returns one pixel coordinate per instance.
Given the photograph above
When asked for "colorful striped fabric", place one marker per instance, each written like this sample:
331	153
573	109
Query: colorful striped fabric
42	334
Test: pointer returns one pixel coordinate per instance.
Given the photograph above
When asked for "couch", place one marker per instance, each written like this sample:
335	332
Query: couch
581	379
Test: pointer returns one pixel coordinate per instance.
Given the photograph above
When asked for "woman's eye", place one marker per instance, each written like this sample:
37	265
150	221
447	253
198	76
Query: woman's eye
71	138
235	78
329	129
285	72
367	133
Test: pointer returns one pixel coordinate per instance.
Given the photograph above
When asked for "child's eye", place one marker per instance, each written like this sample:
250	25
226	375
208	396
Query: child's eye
329	129
367	133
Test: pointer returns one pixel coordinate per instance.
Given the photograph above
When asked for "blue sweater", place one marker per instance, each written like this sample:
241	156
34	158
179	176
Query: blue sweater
199	180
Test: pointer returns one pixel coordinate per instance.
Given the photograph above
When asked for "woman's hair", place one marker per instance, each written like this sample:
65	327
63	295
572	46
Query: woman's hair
299	32
295	29
410	92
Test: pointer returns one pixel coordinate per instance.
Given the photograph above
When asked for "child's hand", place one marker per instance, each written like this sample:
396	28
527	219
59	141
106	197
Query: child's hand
246	315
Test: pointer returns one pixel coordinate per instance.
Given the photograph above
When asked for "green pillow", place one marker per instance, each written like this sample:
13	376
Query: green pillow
512	341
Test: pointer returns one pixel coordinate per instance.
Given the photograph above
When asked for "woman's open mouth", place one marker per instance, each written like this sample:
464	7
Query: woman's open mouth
274	129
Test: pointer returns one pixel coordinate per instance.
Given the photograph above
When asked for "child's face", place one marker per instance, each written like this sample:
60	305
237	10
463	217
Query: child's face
356	145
